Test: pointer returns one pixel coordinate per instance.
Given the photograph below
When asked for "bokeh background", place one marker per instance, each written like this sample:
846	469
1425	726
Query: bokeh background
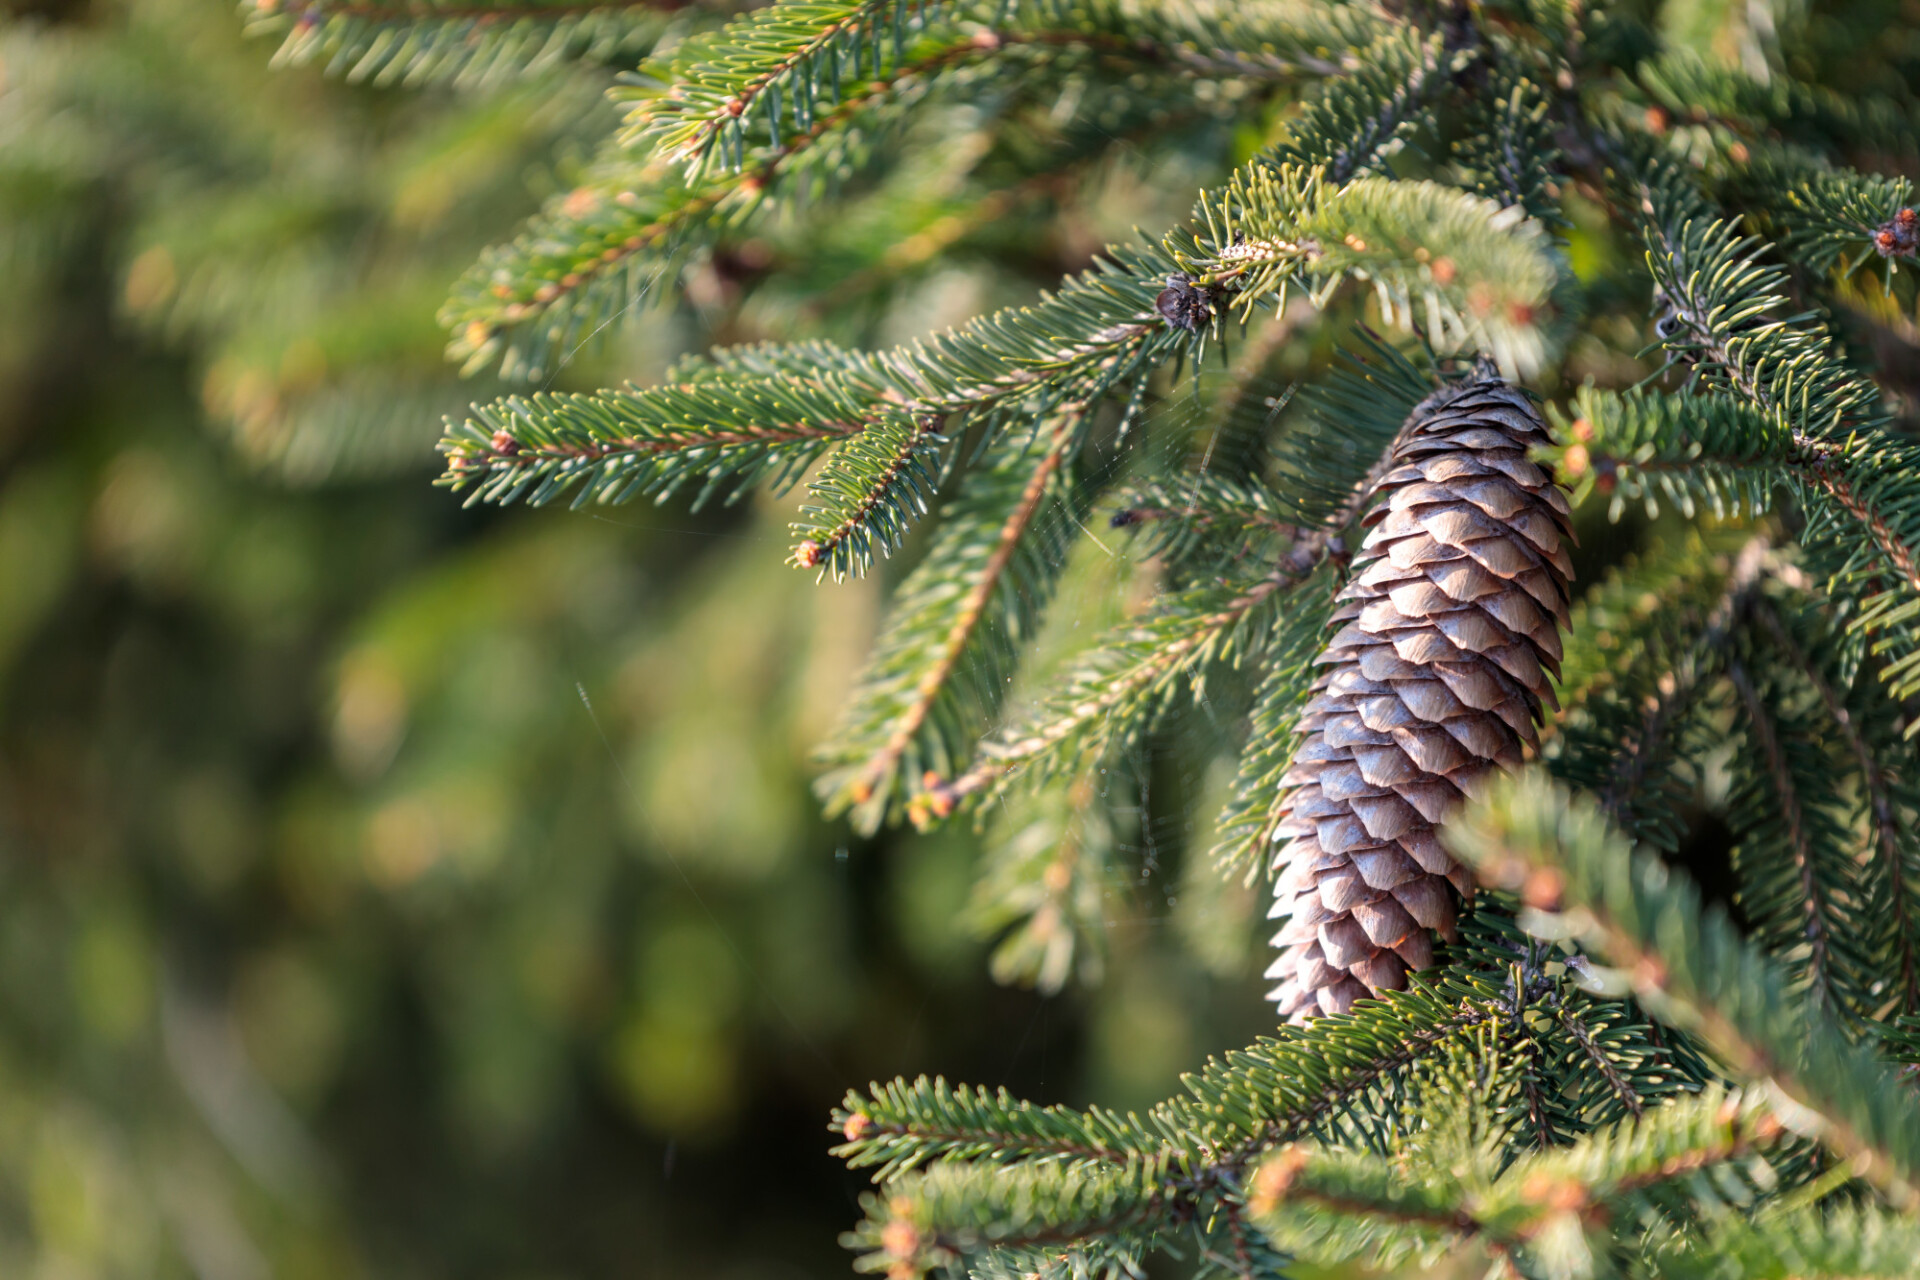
389	889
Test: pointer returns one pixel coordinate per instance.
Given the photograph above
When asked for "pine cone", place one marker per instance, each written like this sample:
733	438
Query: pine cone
1434	677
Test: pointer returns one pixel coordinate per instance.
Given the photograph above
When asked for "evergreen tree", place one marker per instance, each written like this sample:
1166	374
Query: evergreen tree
1518	1035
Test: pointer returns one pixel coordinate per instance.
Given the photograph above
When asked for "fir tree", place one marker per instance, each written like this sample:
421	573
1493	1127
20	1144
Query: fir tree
1682	241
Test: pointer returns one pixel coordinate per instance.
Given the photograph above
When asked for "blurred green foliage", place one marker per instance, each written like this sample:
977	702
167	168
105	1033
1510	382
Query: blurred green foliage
392	890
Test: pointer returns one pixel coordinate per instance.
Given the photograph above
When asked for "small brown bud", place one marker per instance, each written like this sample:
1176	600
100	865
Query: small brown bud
857	1123
1581	430
1553	1192
1898	236
900	1238
503	443
1575	461
1657	120
1444	271
808	554
1542	888
1272	1180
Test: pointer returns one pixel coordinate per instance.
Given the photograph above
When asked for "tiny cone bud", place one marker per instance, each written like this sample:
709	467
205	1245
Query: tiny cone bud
1272	1179
857	1123
1898	235
900	1238
1552	1191
1542	889
1435	677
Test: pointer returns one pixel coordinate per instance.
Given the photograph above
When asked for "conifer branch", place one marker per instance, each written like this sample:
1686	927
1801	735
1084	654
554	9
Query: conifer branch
618	445
870	490
1691	88
918	706
901	1126
569	266
1678	685
1616	1080
1883	816
888	408
1693	968
720	85
1512	157
1840	220
1473	274
1048	887
1123	686
1357	120
422	41
974	605
789	59
1734	450
954	1210
1304	1195
1786	796
1830	1242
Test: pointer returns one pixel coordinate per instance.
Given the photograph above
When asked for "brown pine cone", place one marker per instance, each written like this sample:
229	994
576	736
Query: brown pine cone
1434	677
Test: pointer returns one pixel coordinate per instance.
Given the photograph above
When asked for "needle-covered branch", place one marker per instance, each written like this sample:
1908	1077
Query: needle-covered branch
469	44
1547	1213
1468	272
1692	968
1124	687
785	65
958	626
596	251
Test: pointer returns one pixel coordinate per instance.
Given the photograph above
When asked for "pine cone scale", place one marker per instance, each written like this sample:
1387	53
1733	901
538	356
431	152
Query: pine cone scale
1434	677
